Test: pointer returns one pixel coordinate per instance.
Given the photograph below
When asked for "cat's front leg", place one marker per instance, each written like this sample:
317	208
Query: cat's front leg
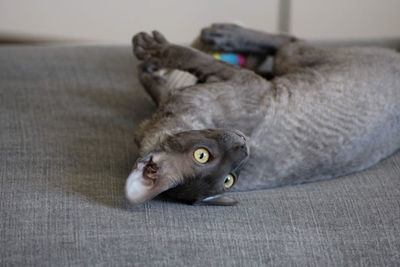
153	81
156	50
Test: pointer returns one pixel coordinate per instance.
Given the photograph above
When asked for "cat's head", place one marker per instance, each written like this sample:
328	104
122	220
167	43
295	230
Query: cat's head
194	167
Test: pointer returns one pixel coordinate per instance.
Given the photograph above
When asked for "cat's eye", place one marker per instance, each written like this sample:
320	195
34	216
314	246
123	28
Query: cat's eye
228	181
201	155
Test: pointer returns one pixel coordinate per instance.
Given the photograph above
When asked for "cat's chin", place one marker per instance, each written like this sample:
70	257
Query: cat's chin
217	200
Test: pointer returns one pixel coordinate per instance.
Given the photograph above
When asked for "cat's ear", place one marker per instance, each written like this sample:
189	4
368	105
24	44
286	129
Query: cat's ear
218	200
147	179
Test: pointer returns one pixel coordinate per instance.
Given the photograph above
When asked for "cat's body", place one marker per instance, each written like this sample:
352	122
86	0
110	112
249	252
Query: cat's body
325	114
337	112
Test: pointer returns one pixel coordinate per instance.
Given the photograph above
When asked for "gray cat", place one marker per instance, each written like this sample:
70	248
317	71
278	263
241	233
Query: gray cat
325	113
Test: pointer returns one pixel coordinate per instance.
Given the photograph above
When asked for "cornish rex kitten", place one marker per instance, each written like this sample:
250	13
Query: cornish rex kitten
326	113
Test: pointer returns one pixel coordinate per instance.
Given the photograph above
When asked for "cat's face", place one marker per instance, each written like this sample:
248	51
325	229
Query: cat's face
195	167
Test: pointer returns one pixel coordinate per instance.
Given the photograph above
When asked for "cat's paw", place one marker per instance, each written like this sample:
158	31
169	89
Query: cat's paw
149	47
224	37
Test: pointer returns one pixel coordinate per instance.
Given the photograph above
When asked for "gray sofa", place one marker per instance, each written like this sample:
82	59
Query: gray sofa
68	116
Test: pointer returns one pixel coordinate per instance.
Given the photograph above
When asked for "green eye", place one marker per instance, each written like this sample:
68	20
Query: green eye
228	181
201	155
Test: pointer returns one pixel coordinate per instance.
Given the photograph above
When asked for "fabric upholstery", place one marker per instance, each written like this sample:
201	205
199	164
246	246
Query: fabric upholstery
67	120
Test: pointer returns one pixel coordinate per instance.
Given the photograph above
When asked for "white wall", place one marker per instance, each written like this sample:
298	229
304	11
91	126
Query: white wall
345	19
116	21
180	20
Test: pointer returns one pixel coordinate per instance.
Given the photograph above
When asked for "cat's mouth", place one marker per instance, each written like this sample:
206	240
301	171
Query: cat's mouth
137	186
150	171
145	181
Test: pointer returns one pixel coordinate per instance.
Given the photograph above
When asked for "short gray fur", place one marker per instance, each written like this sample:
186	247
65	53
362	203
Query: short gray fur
326	113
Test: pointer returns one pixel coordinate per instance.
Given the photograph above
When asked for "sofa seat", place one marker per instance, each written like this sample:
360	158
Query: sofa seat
68	115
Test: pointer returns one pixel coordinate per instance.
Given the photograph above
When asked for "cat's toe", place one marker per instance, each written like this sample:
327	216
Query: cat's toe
159	37
139	44
221	36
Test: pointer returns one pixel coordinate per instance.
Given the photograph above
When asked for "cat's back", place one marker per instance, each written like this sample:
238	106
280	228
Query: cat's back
371	70
352	76
337	112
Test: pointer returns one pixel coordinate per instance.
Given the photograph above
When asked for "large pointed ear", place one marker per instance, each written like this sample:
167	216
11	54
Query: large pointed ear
147	179
218	200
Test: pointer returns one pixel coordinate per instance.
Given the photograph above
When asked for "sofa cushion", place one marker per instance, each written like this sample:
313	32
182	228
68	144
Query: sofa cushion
68	116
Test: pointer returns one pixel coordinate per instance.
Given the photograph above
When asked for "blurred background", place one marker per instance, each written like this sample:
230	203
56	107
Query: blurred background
114	22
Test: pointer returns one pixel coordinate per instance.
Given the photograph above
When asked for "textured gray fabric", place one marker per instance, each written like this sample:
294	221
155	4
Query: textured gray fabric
67	118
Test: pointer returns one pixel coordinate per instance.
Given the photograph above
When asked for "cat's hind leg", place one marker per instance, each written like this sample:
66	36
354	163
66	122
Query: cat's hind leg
290	54
233	38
